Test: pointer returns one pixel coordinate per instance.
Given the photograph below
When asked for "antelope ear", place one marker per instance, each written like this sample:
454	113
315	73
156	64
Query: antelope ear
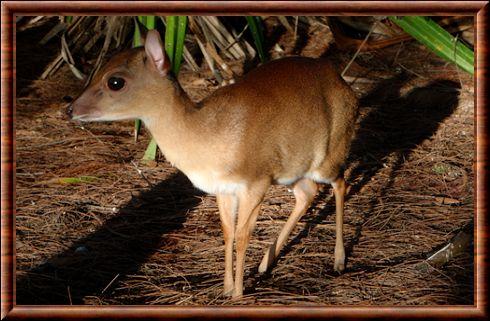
156	53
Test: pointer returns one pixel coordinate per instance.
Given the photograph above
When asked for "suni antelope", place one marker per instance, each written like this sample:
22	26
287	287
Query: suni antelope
290	121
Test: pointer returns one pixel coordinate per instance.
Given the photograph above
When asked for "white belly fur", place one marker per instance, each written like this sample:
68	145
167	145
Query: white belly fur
212	183
314	176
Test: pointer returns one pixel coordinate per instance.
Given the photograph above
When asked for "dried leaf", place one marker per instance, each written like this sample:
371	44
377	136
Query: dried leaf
446	200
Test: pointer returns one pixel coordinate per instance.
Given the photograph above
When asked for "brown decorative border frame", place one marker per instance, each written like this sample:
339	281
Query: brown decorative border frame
9	309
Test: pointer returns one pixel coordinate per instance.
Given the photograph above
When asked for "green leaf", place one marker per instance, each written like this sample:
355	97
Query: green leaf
150	22
429	33
179	45
137	36
151	151
137	129
255	25
171	37
76	180
137	33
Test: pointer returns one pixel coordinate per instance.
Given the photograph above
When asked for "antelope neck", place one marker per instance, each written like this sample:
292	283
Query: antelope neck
175	127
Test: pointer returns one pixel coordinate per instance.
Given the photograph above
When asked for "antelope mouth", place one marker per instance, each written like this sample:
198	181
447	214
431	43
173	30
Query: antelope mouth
87	117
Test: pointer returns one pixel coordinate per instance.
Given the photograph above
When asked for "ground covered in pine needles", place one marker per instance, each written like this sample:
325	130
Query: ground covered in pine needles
128	233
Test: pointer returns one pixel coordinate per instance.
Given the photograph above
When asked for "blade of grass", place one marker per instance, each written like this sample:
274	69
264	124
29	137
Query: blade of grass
429	33
171	37
151	151
439	33
76	180
137	129
149	22
187	55
255	25
179	45
136	35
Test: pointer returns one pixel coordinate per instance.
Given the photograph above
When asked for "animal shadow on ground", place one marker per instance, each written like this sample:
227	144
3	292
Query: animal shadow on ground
394	125
119	247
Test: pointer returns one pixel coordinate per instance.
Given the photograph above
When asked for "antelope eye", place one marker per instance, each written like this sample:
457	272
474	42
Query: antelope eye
116	83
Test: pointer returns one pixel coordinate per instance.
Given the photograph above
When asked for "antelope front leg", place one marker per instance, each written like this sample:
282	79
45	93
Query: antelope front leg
227	211
339	191
248	210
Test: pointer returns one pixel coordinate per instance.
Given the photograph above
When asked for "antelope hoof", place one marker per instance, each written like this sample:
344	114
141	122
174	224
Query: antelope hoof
237	294
264	265
339	264
228	290
267	260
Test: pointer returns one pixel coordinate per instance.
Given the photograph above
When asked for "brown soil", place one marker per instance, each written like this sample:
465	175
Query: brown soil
137	234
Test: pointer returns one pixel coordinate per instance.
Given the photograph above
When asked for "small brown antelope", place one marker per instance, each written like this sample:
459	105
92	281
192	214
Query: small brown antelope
290	122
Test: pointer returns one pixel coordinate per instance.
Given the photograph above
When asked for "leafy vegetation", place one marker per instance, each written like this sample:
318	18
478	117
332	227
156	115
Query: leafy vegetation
438	40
